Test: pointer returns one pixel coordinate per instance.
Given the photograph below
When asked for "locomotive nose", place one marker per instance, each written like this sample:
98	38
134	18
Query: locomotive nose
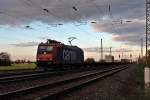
45	57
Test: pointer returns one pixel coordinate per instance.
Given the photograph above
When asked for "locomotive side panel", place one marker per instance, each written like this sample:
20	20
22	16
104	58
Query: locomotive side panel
59	59
80	56
69	55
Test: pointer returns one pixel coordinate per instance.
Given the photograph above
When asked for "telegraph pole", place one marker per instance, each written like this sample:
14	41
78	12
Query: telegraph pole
110	51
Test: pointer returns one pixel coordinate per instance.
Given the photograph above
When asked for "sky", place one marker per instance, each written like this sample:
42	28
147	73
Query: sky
26	23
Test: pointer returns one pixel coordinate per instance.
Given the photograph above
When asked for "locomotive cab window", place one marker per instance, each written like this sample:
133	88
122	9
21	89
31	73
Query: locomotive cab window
45	49
49	49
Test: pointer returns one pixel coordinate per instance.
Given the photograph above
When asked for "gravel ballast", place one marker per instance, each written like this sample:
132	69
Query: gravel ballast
121	86
12	86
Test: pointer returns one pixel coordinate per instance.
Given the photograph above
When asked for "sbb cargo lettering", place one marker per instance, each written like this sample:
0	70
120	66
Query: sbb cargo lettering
69	55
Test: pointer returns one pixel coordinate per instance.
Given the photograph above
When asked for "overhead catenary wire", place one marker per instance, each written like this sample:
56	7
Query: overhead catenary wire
15	19
31	3
121	21
20	18
43	9
49	12
74	8
97	7
109	13
111	16
8	14
77	11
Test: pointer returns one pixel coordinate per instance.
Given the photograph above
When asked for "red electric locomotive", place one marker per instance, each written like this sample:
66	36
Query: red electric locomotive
55	53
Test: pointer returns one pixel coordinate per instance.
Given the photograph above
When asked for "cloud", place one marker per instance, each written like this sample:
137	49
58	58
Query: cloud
28	44
119	26
126	31
130	39
113	21
49	11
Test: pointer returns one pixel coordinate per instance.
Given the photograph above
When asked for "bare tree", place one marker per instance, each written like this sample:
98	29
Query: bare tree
90	60
5	59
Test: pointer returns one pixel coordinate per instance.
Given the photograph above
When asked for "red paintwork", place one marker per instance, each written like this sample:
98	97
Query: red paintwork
44	57
49	57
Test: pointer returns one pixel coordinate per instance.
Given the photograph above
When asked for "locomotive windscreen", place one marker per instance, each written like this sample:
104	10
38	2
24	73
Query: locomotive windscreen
45	49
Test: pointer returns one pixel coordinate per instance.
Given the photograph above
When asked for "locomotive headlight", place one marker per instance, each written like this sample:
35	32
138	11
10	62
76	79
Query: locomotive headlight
50	59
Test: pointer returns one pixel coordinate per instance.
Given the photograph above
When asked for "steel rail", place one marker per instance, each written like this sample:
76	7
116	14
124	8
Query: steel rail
37	74
30	90
23	77
58	95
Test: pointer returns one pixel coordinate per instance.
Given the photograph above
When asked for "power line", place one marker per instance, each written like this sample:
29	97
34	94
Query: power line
98	9
74	7
76	10
31	3
49	12
111	15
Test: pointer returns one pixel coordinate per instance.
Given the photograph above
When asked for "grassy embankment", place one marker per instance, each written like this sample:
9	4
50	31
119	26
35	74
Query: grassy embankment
15	67
140	94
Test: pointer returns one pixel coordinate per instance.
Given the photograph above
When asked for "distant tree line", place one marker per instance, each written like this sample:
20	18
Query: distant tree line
5	59
90	60
19	61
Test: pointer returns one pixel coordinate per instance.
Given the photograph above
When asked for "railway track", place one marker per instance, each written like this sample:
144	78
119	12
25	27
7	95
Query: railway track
15	77
55	90
35	75
19	76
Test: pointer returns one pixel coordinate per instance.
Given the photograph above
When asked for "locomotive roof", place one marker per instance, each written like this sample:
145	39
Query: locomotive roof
49	41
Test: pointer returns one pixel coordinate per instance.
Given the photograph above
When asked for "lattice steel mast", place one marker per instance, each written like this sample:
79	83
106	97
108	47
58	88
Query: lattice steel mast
147	26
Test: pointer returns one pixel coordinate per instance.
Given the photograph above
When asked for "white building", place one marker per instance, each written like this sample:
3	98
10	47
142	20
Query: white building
109	58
